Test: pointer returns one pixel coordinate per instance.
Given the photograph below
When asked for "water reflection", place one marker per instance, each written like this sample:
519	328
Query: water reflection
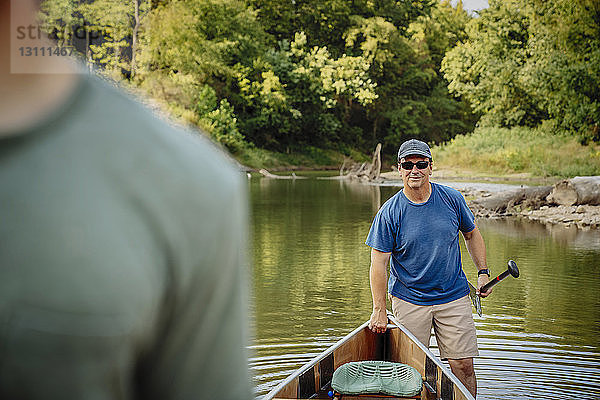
538	335
571	236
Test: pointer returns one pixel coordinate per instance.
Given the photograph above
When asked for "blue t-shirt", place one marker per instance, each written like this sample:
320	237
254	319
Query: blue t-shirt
423	238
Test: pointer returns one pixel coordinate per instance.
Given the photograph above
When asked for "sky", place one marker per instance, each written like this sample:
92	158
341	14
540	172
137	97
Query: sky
473	5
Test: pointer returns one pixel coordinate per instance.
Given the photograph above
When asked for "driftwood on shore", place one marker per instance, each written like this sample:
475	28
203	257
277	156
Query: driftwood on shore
576	191
572	202
533	197
365	171
267	174
581	190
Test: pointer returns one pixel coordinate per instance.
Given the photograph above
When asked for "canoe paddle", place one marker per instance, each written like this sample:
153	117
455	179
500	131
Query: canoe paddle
511	270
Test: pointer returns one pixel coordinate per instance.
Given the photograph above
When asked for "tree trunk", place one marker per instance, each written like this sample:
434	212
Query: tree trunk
366	172
88	51
375	171
342	167
134	39
578	190
66	40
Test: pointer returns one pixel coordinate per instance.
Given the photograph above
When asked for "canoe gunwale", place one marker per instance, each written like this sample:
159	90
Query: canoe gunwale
310	364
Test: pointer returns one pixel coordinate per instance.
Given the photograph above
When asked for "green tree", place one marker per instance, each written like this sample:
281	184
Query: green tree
205	38
288	74
323	21
114	23
444	115
60	18
412	97
485	68
435	34
219	120
118	24
564	69
303	94
326	22
528	62
188	45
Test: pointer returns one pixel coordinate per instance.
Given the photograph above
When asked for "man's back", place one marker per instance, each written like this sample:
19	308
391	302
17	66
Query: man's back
121	241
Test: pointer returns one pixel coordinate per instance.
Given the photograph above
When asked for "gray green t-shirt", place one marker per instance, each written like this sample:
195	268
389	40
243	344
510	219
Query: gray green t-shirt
122	258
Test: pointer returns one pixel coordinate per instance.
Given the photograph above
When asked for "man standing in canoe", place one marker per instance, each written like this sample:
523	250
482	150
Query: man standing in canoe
418	230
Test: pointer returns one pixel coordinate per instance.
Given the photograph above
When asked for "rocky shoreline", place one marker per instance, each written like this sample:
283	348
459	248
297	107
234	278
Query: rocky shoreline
570	202
582	216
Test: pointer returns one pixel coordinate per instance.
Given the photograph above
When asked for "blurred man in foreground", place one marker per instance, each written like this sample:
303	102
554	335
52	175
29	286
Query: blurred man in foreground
122	243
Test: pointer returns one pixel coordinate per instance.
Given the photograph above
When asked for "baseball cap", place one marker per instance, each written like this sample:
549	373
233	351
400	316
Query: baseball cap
414	147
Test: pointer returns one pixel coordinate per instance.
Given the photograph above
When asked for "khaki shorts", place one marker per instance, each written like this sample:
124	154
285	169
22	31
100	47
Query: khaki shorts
452	323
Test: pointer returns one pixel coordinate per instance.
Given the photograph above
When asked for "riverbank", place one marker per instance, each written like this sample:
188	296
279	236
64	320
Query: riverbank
531	156
507	152
536	152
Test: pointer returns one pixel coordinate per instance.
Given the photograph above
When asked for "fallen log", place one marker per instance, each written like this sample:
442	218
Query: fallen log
576	191
267	174
533	197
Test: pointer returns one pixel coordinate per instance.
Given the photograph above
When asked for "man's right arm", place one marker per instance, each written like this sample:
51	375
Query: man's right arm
378	281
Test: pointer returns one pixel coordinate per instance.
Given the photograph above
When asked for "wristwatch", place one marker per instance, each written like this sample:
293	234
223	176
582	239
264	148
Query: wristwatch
483	271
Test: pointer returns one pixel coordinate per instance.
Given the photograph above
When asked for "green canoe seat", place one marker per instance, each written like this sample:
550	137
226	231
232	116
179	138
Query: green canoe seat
369	377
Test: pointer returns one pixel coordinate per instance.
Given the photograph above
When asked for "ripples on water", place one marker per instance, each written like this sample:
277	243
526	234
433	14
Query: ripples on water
538	337
278	360
521	365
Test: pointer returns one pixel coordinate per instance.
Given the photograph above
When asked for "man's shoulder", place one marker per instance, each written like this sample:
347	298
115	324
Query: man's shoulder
393	203
447	191
128	125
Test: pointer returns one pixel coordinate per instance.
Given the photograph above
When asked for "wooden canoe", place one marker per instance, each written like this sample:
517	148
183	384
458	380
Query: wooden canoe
313	380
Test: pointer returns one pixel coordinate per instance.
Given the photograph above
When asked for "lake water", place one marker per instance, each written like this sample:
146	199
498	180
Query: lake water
539	336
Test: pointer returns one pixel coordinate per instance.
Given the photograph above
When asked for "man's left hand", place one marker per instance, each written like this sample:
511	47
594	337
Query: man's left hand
482	280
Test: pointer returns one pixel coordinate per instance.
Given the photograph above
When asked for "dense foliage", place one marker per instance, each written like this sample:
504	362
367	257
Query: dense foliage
346	75
283	75
529	61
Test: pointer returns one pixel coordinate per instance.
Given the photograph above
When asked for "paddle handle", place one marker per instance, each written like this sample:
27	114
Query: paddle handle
512	270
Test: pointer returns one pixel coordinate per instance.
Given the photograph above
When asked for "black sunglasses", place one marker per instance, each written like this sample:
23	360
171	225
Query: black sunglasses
408	165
